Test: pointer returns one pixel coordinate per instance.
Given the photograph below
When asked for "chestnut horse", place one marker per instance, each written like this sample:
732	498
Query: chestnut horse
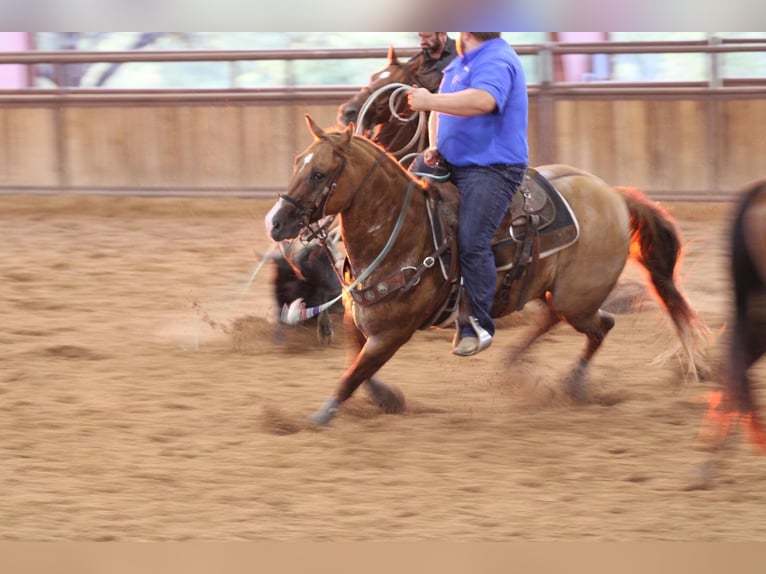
380	109
393	257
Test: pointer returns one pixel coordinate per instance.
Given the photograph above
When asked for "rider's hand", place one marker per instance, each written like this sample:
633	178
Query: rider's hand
419	99
432	157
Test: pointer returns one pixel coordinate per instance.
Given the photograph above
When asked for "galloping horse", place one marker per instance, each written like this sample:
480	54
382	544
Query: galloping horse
747	339
386	117
401	283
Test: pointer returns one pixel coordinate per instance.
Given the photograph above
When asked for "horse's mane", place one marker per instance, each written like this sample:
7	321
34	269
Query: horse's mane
373	149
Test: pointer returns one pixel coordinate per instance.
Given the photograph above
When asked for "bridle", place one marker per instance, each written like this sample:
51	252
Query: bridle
397	89
366	94
313	216
308	215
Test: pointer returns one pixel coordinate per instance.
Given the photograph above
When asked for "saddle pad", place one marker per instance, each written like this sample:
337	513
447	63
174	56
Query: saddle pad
558	226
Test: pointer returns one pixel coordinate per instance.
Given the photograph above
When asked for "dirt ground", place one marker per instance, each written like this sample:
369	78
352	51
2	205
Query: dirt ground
143	398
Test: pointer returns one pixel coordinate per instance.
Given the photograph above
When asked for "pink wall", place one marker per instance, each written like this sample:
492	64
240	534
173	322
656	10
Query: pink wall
580	67
14	76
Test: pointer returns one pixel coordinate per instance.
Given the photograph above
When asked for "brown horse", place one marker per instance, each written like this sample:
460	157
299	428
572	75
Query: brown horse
400	283
746	341
380	109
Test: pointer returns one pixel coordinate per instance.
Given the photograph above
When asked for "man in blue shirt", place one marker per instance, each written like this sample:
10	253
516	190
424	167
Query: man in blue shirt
480	130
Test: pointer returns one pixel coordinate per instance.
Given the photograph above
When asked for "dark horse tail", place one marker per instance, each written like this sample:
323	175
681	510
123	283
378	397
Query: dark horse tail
656	244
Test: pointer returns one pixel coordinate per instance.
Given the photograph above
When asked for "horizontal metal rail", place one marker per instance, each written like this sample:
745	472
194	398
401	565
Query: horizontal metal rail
79	57
337	94
271	193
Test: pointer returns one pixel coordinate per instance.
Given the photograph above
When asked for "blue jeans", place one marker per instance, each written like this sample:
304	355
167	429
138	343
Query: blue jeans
485	194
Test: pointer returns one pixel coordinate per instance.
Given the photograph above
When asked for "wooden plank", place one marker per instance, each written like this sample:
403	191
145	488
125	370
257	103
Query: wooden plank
27	147
665	143
630	144
566	133
742	141
267	146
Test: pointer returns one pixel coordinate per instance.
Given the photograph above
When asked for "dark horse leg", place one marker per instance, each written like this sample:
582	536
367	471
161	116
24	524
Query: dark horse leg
595	328
549	320
325	333
365	356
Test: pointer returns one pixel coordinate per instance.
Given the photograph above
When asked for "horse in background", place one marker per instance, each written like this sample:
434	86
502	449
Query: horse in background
381	112
746	340
401	269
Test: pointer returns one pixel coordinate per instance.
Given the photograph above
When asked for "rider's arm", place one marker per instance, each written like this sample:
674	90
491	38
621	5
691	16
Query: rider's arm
468	102
433	126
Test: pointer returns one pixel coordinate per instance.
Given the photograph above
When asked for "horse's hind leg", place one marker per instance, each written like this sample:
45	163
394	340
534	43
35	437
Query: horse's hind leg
595	328
548	321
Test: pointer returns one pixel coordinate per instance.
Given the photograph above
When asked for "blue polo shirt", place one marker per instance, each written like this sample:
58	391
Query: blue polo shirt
499	137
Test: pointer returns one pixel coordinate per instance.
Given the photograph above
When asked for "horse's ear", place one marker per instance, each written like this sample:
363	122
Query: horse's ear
392	59
348	133
314	127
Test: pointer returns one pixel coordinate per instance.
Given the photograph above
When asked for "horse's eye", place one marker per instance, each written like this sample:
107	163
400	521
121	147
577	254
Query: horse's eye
317	176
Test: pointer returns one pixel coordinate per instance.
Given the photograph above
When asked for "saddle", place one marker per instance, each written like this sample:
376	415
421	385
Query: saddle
537	208
538	224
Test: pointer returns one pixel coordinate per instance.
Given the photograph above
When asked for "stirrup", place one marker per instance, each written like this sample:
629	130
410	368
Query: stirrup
485	339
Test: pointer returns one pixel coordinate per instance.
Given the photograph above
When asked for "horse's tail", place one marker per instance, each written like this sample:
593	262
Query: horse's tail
656	244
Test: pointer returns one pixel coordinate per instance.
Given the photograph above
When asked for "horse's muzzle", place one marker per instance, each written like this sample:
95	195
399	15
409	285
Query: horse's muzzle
283	222
347	115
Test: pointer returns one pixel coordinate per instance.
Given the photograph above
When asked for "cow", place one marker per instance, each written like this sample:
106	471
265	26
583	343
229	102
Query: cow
308	271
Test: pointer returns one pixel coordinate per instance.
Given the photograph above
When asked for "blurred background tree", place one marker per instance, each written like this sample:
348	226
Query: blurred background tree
347	72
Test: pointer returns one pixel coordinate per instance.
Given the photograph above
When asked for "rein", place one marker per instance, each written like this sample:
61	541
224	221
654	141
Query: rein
298	312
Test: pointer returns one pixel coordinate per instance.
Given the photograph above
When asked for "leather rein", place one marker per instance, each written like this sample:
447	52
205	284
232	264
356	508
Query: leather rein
315	221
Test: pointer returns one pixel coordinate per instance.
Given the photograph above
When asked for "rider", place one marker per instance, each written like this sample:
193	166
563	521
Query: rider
480	129
438	51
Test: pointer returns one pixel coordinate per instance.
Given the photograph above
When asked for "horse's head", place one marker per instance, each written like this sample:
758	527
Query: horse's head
379	110
309	196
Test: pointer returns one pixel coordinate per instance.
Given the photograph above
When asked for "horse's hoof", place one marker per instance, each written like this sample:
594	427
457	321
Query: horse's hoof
702	477
324	415
577	393
575	384
388	399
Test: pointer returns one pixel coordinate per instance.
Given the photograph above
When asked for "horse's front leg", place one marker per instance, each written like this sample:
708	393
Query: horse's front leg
366	356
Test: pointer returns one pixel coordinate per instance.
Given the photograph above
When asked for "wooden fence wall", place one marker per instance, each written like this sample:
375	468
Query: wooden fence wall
704	142
689	140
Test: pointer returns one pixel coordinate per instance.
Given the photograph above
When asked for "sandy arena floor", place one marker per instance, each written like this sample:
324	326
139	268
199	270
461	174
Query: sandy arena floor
143	398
